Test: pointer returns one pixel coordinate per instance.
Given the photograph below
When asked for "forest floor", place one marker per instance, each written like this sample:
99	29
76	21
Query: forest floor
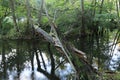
111	76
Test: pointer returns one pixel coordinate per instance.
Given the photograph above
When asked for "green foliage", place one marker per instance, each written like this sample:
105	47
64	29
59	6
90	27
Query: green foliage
44	20
66	13
111	76
6	26
4	3
98	20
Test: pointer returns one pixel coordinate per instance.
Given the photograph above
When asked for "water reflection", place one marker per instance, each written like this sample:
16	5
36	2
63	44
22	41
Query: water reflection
114	62
31	60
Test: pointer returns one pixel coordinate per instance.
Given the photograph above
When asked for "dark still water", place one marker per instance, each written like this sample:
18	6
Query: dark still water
32	60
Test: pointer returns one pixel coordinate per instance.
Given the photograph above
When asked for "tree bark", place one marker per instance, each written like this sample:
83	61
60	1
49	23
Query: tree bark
61	45
28	13
29	20
65	51
12	6
101	6
82	29
40	12
117	8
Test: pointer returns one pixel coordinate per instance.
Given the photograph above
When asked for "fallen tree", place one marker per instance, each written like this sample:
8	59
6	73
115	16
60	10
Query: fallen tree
68	50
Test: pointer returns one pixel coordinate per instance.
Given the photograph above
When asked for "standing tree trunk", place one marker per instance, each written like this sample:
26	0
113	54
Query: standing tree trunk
101	6
29	19
96	28
82	29
40	12
12	7
94	10
28	13
119	3
117	8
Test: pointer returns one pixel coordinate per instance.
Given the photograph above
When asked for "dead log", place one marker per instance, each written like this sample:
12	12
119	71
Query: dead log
55	40
59	46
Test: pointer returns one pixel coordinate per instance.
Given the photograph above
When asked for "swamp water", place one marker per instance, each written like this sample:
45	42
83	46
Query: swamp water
31	60
35	60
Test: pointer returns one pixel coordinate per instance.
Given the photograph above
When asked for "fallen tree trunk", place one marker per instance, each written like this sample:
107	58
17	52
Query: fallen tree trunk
62	49
54	39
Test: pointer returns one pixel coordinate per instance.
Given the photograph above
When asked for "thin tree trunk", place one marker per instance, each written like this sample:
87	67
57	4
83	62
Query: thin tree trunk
119	3
117	8
29	19
32	63
28	12
94	2
101	6
40	12
82	30
12	6
95	28
43	61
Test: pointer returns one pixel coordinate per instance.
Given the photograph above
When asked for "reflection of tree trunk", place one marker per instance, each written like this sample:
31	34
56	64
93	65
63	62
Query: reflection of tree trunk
31	56
36	53
32	63
49	76
18	58
52	60
42	59
38	61
4	61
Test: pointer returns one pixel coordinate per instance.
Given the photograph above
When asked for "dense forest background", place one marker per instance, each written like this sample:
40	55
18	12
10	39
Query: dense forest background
83	27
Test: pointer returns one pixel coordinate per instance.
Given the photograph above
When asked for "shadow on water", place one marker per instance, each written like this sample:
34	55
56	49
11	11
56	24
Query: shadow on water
32	60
